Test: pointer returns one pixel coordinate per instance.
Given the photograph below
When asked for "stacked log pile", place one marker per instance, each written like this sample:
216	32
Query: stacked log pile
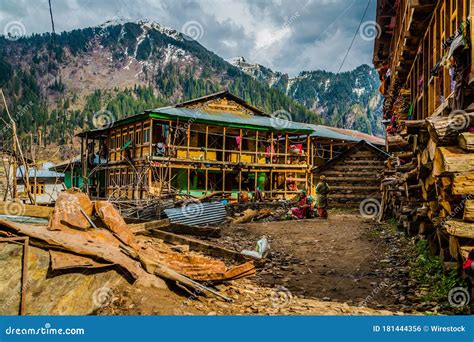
428	183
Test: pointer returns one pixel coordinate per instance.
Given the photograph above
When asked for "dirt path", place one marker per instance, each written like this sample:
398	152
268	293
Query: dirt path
341	259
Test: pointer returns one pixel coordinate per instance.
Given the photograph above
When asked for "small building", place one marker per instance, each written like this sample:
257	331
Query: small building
45	184
354	175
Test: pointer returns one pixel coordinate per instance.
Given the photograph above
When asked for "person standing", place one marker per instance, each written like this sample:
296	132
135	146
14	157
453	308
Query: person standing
322	191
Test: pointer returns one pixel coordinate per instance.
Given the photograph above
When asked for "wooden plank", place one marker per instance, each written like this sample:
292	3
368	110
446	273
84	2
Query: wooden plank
20	209
137	228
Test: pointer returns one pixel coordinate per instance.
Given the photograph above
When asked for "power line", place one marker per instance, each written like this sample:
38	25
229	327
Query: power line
355	35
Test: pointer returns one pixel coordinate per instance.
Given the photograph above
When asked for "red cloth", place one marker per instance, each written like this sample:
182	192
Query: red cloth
322	212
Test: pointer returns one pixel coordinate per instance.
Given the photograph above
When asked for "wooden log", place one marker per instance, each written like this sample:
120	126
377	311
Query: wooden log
466	141
459	228
468	215
431	147
453	247
445	129
396	143
452	160
463	183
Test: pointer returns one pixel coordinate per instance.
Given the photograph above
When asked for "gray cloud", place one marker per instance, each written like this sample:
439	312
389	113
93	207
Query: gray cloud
286	35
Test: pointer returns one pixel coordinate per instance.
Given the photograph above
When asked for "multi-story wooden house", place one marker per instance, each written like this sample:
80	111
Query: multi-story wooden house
214	143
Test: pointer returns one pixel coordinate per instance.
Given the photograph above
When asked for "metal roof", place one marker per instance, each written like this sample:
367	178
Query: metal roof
324	132
194	214
33	172
232	119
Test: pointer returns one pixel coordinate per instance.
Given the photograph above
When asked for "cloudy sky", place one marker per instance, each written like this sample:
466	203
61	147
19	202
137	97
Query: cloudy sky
286	35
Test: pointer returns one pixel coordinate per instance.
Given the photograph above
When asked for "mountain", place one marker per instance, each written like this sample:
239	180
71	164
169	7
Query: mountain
55	83
349	99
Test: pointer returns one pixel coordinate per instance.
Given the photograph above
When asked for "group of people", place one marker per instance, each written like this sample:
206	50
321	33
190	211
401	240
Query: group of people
305	208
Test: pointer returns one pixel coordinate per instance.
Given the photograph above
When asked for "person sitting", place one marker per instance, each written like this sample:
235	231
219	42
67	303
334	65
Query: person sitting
322	191
304	207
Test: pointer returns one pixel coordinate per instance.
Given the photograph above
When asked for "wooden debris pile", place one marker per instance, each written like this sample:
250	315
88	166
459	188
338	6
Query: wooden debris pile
92	234
428	184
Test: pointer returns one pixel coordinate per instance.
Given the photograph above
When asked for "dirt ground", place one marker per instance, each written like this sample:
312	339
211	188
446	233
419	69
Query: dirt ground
343	265
341	259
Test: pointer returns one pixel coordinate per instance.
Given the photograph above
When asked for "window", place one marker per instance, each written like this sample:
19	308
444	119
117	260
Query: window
146	135
39	190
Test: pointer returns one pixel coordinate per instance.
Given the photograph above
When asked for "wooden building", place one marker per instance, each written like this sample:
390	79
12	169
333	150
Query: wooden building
354	175
214	143
424	55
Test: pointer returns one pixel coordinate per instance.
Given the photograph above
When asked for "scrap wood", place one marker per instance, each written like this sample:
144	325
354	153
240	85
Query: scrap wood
138	228
214	194
63	260
205	231
250	214
67	211
95	243
115	222
200	246
167	273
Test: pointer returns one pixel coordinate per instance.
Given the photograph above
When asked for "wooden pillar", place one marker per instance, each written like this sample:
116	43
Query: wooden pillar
240	146
330	151
83	163
188	140
286	151
223	144
189	181
207	145
223	180
206	179
308	146
255	186
256	147
150	153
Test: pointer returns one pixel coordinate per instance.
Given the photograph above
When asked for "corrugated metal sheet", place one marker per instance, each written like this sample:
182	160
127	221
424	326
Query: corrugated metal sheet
261	121
194	214
324	132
